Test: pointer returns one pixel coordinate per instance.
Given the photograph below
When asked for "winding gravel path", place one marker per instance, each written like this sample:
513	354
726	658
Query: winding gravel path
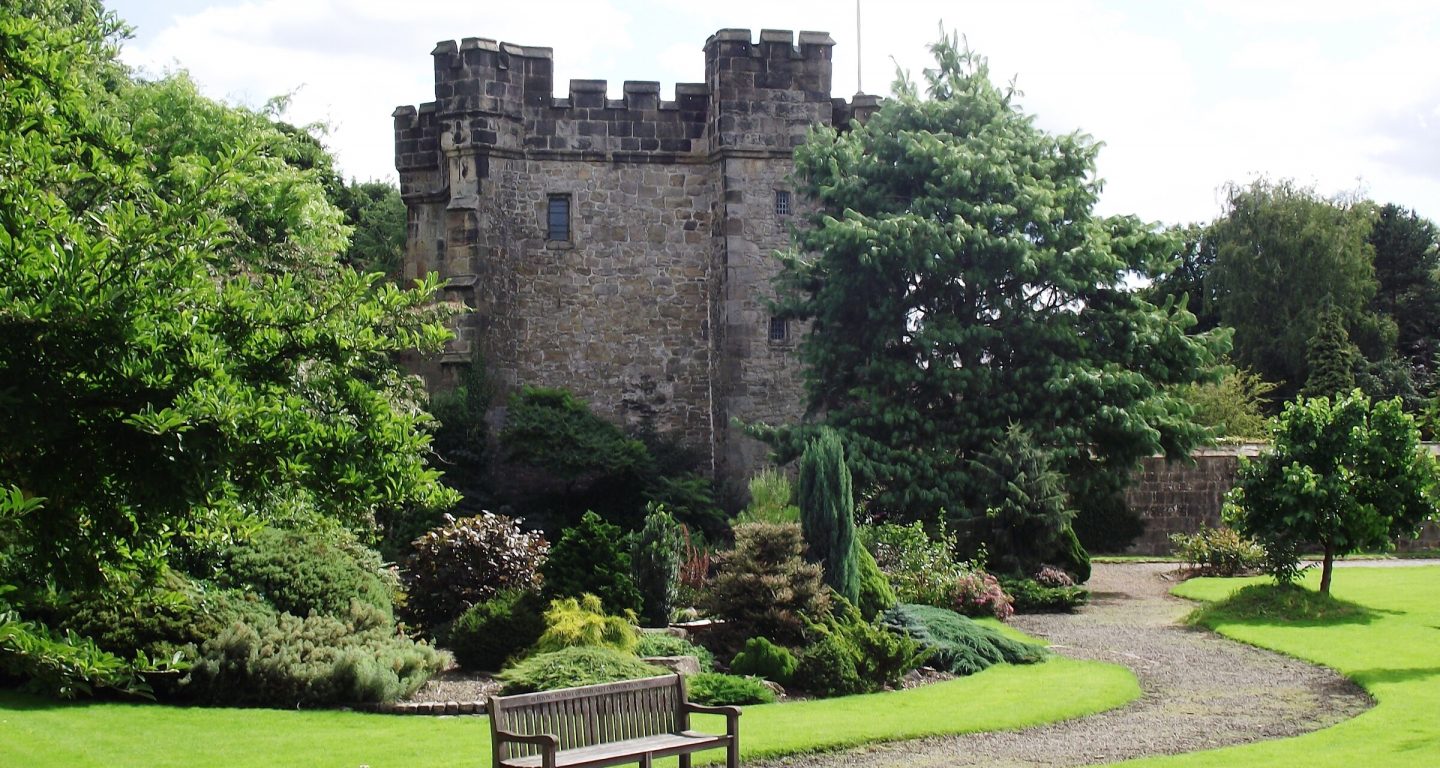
1199	691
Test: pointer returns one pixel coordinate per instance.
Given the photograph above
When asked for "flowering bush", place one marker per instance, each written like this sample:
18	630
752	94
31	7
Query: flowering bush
1050	576
977	593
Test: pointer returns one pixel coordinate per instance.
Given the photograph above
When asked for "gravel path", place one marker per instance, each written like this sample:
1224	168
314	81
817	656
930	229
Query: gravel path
1199	691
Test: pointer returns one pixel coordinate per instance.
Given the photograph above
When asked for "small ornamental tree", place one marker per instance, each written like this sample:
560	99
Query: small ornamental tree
827	514
1344	475
655	555
1024	522
592	558
1331	357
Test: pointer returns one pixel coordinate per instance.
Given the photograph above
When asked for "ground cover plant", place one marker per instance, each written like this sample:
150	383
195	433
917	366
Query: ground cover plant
1388	645
40	733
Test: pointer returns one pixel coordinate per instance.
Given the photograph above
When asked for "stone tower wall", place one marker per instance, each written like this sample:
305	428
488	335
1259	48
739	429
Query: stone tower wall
655	310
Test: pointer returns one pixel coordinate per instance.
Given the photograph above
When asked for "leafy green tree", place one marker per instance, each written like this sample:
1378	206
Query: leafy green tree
1344	474
827	514
559	459
1232	407
176	336
1407	270
957	282
1190	277
1331	358
1283	254
376	215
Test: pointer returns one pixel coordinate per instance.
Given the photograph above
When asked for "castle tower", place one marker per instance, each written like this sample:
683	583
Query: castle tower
621	248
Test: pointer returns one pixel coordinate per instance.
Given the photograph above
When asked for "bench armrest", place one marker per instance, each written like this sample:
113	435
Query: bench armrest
547	743
732	715
544	740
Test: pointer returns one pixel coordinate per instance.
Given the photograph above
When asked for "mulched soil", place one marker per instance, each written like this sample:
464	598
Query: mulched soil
1200	691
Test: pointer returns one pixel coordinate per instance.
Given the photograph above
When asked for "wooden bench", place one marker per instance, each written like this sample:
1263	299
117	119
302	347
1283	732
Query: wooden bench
634	721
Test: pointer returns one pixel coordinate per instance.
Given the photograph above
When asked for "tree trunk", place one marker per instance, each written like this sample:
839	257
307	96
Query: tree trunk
1327	568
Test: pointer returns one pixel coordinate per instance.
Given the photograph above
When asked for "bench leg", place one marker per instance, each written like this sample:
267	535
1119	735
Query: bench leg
685	760
645	760
732	752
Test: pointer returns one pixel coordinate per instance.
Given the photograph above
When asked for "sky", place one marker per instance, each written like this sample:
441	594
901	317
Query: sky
1185	95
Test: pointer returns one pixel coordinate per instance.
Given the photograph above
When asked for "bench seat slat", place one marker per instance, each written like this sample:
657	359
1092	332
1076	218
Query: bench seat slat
618	752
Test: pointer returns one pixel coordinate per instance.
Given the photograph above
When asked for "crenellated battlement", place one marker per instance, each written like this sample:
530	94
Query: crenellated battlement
758	95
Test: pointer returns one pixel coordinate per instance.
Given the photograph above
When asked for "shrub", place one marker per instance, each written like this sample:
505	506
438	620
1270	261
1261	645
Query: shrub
492	632
871	656
592	558
665	644
762	658
655	556
1050	576
570	667
1030	596
956	643
575	622
1218	551
64	665
1073	557
875	592
977	593
715	689
303	571
763	587
467	561
771	499
286	661
158	622
827	514
919	568
827	668
694	574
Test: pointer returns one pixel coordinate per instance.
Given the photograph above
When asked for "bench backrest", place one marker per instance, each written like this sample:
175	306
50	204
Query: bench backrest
593	714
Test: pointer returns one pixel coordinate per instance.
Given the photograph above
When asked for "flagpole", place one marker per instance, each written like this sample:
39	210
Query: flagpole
859	88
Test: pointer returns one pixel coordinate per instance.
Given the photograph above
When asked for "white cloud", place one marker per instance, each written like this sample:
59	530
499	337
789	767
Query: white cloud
1184	97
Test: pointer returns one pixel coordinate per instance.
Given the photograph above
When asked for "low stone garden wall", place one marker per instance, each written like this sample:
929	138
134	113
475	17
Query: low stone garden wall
1182	497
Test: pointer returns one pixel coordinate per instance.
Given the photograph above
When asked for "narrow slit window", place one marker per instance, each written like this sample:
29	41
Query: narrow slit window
779	329
557	219
782	202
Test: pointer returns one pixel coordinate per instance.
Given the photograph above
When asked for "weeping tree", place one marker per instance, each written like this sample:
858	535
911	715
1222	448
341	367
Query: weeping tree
827	514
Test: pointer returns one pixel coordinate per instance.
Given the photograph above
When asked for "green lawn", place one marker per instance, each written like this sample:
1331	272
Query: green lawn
40	734
1393	650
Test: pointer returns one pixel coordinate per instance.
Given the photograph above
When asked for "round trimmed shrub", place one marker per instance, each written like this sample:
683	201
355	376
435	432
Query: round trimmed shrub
300	572
468	561
492	632
762	658
827	668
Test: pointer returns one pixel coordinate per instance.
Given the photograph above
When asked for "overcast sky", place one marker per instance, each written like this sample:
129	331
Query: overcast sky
1344	96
